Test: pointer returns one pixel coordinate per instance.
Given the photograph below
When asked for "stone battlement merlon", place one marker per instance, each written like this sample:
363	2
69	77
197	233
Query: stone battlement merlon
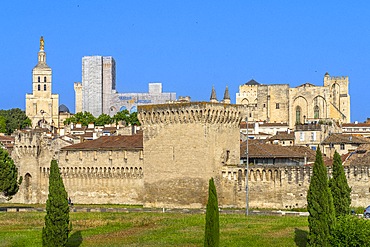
191	112
338	77
289	174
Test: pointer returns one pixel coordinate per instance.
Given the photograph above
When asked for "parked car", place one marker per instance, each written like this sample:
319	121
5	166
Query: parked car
367	212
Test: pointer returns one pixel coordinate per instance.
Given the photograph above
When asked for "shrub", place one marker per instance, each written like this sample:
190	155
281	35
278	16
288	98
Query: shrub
351	231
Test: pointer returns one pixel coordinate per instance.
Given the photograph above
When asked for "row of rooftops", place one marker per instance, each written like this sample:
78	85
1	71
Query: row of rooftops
257	148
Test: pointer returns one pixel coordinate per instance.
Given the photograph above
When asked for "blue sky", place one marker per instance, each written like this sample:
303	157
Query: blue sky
189	46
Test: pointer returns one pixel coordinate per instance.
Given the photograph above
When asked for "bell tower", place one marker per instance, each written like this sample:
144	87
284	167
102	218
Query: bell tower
42	105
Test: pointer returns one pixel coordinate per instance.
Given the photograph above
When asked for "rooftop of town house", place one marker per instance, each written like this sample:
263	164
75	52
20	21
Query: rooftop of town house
344	139
260	149
283	135
129	142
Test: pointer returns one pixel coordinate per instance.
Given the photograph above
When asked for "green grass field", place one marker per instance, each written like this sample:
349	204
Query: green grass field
155	229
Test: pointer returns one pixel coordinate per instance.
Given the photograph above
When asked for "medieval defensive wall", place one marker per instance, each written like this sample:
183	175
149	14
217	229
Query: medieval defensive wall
168	164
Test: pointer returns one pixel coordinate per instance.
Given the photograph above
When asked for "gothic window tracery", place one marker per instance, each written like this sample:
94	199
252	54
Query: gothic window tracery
298	115
316	112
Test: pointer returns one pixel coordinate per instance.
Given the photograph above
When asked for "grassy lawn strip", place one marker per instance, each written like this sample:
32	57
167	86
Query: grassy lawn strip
156	229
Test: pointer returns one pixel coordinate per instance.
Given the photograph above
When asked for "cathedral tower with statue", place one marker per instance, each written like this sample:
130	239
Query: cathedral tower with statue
42	105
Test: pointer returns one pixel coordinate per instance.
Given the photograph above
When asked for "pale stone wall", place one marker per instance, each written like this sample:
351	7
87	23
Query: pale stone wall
184	146
90	177
78	96
279	102
180	158
285	187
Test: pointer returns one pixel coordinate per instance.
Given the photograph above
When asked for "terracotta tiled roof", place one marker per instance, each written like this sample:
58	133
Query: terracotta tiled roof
359	157
282	135
346	125
243	125
83	128
344	138
274	124
110	143
259	149
7	138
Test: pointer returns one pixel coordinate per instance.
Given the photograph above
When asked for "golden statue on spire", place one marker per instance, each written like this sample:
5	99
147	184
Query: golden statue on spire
41	43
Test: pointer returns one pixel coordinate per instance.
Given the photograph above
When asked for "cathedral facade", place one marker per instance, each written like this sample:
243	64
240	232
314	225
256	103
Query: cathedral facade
305	103
42	105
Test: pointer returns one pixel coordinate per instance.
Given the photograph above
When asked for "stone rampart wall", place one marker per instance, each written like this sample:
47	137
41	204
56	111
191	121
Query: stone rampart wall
285	187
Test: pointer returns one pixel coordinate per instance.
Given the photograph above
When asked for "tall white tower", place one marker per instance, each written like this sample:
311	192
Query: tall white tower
98	83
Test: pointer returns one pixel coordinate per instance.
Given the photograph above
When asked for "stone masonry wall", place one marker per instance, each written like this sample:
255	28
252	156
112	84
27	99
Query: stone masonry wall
285	187
184	146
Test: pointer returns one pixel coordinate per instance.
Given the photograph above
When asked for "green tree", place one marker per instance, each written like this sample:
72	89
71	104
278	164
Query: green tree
321	219
8	175
103	119
351	231
85	118
15	119
212	229
133	119
56	229
122	116
339	188
2	124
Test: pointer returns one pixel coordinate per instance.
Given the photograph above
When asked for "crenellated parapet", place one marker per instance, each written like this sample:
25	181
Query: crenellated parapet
287	186
97	172
27	143
191	113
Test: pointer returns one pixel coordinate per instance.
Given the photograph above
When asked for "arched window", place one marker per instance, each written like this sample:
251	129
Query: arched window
44	87
44	78
298	115
38	79
316	112
38	87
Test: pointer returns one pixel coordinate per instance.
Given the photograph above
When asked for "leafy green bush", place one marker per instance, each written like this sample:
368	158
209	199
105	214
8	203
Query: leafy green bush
351	231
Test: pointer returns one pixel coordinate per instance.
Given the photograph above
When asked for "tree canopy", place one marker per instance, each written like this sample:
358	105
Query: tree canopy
86	118
9	183
14	119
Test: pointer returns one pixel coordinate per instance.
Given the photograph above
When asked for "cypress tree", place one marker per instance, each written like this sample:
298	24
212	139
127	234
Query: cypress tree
8	175
339	188
56	229
212	230
321	219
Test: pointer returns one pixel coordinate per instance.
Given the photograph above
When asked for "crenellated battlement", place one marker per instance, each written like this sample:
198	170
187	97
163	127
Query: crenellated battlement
97	172
290	174
198	112
286	187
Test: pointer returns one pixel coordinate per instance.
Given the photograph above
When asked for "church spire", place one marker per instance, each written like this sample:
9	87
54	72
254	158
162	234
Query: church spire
226	96
213	98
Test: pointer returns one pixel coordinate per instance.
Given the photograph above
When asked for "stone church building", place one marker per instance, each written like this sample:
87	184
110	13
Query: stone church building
42	105
305	103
